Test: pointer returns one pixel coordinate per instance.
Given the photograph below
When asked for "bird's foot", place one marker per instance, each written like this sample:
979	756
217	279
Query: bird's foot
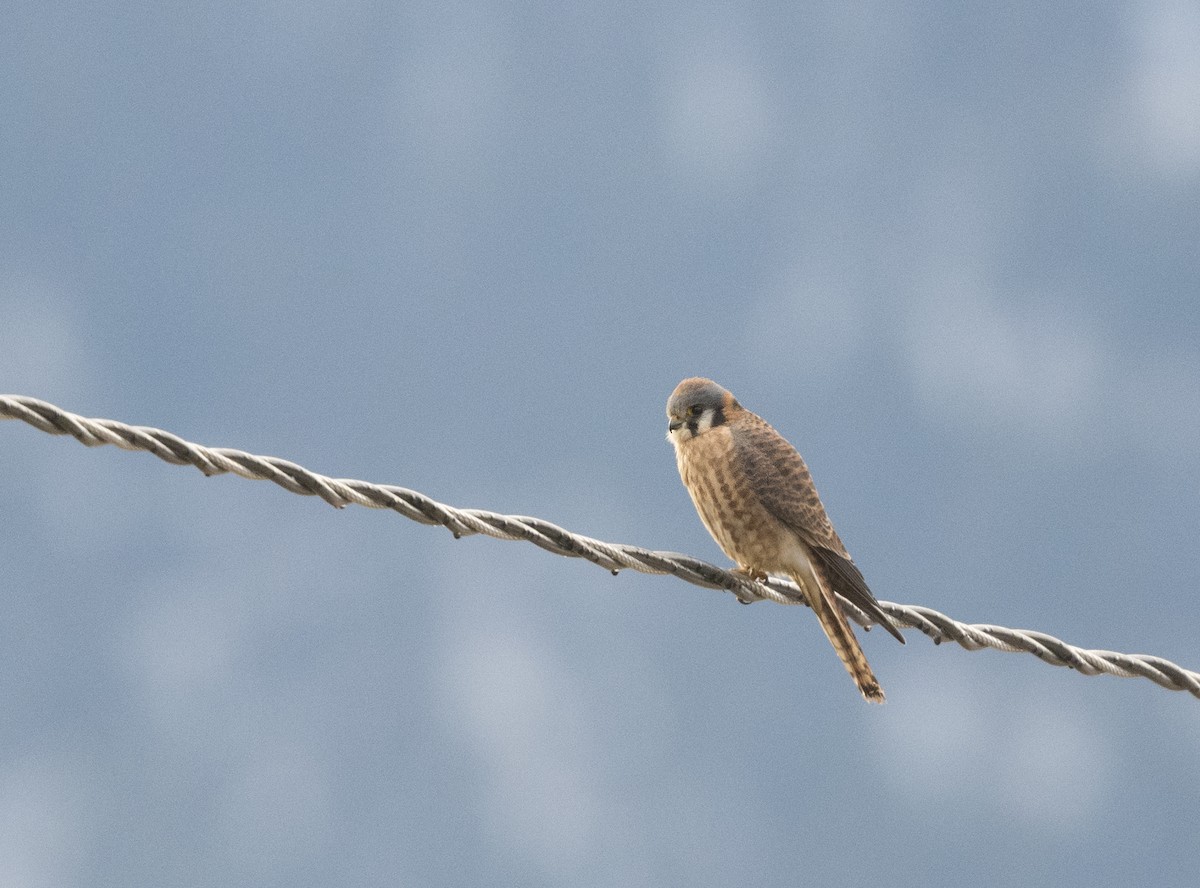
751	574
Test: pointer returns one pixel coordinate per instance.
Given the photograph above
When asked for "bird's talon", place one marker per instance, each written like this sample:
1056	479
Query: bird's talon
750	573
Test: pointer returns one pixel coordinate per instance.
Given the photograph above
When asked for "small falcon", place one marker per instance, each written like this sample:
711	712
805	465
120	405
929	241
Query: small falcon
757	499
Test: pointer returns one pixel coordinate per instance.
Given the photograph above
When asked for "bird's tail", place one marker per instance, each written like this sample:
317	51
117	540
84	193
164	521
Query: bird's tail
837	628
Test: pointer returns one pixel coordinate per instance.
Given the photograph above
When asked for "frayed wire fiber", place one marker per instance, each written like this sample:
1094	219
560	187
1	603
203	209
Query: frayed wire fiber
462	522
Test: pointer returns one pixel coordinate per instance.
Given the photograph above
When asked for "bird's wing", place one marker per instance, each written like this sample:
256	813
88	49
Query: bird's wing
846	578
786	490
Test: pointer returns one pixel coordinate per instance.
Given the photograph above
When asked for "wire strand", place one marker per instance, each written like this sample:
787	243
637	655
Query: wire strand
340	492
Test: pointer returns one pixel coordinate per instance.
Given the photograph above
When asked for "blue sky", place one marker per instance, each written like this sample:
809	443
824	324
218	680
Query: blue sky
949	252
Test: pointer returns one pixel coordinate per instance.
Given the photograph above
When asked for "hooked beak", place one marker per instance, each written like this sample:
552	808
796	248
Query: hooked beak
674	425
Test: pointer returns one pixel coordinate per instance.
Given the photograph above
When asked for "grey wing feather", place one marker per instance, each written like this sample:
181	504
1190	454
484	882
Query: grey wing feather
786	490
848	580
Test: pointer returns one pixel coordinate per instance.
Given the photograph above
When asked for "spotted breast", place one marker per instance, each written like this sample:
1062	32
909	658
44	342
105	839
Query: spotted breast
733	514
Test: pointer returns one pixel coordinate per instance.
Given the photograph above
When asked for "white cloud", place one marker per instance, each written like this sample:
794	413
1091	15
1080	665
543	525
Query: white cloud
508	692
1054	771
42	355
932	735
452	88
810	325
718	108
1014	749
274	807
197	622
1184	722
1155	398
528	728
1047	372
1038	362
972	355
1154	122
43	823
544	710
184	640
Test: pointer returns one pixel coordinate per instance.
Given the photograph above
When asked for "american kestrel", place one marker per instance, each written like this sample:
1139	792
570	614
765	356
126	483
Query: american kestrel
757	499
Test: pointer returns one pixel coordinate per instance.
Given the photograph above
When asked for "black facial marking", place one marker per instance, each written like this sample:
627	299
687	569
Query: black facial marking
693	423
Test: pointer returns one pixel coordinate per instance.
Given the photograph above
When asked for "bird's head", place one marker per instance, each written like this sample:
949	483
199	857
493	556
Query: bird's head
696	406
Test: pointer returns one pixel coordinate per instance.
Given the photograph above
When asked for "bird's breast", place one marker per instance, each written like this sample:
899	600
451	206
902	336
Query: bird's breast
728	505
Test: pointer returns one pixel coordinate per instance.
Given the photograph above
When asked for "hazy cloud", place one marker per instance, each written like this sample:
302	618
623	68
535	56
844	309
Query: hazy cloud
43	349
1014	752
718	107
44	829
511	696
1155	119
809	325
451	87
980	358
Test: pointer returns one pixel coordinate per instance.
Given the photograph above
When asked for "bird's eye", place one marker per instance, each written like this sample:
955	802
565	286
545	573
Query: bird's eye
695	410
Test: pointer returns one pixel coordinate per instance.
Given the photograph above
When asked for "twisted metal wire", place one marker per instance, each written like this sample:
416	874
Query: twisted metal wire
340	492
